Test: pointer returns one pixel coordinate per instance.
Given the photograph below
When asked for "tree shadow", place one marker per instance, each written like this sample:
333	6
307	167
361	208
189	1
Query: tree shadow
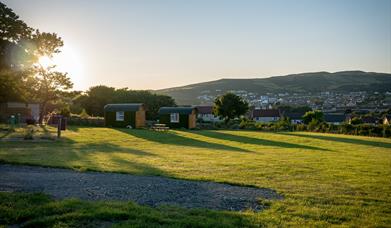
342	140
171	138
110	148
255	141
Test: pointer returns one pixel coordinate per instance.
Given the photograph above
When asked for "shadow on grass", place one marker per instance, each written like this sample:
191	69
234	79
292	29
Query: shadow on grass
254	141
40	210
81	156
342	140
172	138
110	148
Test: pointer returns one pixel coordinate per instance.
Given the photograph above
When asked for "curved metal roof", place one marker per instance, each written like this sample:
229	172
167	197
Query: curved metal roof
180	110
123	107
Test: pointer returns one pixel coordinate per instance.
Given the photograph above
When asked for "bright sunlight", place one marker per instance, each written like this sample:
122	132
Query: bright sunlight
45	61
69	61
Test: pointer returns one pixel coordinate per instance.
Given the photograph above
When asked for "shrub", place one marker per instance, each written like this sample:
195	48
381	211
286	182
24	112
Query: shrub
284	124
247	124
90	121
312	125
30	121
29	133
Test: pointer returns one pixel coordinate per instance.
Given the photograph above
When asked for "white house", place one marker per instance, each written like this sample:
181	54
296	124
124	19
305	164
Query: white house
206	114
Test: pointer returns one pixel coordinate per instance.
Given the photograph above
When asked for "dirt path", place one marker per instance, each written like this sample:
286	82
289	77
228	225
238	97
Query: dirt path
145	190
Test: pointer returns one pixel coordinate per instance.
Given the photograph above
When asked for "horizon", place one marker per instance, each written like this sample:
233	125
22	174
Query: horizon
152	45
266	77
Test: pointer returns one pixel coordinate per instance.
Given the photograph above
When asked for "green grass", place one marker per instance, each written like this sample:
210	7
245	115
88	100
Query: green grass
325	179
38	210
22	132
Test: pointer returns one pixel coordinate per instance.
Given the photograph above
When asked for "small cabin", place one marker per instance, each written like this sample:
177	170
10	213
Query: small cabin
125	115
178	117
23	110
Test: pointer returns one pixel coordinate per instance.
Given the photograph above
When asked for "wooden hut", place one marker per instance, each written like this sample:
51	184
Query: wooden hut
125	115
178	117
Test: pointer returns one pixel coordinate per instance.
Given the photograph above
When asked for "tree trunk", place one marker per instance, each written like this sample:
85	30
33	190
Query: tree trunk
42	112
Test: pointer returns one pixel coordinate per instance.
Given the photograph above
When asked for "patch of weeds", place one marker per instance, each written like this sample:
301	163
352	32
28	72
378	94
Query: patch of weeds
29	133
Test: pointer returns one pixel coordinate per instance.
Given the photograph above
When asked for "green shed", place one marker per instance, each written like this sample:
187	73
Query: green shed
178	117
124	115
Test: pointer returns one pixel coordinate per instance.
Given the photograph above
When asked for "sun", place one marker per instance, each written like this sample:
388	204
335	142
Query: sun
68	61
45	61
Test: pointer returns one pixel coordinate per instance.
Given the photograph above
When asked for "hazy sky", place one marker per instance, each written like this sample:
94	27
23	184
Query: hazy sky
151	44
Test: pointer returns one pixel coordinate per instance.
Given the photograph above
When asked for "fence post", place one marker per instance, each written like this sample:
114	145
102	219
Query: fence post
59	128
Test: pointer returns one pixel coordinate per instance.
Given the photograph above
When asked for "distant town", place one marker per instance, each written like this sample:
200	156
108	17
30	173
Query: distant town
325	101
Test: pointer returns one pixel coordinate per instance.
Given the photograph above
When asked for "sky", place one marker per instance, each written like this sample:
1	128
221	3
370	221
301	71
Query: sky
155	44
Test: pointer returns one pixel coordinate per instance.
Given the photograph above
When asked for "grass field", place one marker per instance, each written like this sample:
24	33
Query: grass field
325	179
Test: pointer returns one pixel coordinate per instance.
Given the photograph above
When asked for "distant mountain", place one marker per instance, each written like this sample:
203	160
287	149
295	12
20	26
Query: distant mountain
345	81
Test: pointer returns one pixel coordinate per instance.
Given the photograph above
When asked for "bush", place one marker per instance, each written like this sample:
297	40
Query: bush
284	124
29	133
30	121
89	121
247	124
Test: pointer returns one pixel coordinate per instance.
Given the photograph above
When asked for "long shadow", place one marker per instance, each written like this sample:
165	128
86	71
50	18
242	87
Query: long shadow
343	140
5	134
255	141
67	144
172	138
110	148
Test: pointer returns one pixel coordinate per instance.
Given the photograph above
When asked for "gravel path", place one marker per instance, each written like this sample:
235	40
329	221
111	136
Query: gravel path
145	190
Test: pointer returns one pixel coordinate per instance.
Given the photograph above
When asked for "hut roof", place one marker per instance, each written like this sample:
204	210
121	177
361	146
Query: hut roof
266	113
204	109
334	118
294	115
180	110
123	107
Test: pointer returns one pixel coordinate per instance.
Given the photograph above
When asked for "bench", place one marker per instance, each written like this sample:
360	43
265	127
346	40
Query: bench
160	127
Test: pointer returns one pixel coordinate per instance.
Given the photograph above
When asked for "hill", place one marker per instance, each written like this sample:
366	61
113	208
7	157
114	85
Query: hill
345	81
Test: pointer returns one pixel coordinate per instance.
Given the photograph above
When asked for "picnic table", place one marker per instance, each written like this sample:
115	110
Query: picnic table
160	127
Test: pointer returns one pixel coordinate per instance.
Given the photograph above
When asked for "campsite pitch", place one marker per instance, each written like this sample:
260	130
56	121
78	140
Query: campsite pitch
325	179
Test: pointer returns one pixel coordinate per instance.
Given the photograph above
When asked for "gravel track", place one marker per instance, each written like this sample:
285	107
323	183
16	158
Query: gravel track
144	190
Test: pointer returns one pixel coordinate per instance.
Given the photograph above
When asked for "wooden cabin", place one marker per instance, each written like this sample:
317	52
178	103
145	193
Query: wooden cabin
130	115
178	117
23	110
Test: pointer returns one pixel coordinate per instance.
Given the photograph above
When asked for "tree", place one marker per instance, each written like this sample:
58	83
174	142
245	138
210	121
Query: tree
293	109
14	33
13	55
46	86
313	116
20	75
97	97
229	106
12	86
356	120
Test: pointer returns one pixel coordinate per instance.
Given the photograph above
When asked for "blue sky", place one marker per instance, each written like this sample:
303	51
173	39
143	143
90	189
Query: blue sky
151	44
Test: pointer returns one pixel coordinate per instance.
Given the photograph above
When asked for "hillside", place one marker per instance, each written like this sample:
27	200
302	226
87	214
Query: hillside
344	81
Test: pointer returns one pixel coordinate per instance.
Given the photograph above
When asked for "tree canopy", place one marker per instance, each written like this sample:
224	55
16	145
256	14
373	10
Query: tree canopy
314	116
94	99
229	106
21	77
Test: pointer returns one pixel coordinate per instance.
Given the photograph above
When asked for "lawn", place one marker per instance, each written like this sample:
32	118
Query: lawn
325	179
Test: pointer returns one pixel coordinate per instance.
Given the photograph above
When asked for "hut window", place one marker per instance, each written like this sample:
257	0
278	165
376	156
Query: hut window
119	116
174	117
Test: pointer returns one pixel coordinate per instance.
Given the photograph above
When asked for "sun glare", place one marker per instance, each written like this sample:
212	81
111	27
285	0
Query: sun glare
45	61
67	61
